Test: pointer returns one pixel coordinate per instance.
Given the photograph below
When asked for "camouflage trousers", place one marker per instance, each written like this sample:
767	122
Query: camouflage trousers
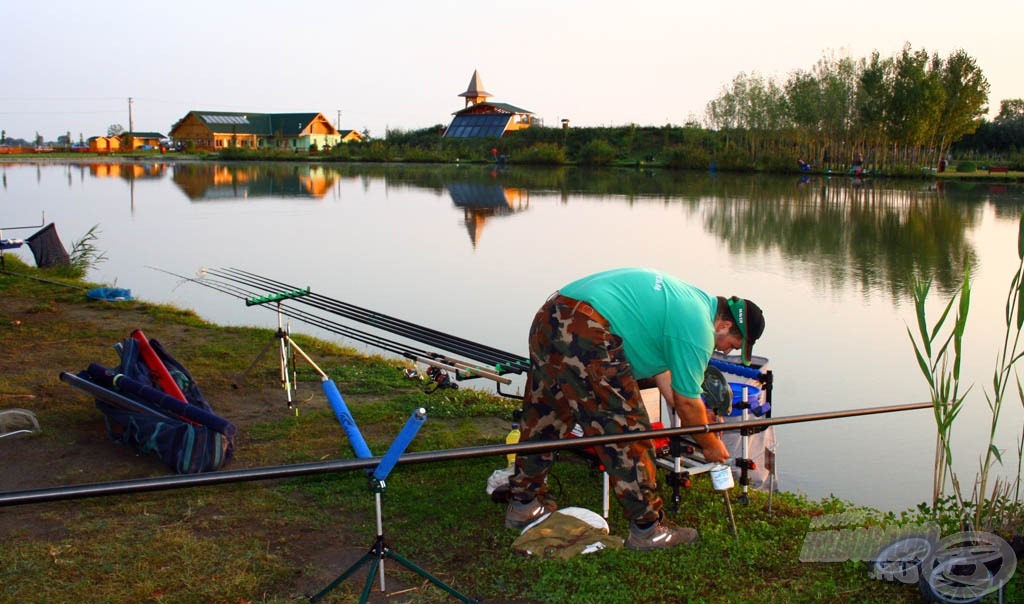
579	375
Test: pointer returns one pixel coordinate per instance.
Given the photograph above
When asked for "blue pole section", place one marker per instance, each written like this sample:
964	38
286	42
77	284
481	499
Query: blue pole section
740	370
355	438
387	463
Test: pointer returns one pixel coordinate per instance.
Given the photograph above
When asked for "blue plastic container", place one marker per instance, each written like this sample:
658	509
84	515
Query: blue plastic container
756	405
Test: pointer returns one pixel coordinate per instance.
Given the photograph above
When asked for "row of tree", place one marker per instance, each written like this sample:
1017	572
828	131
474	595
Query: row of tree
903	110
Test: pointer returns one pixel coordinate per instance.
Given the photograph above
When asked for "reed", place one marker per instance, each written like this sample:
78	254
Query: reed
939	352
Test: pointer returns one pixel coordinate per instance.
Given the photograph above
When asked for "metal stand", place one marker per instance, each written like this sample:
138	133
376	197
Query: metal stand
380	549
286	345
378	553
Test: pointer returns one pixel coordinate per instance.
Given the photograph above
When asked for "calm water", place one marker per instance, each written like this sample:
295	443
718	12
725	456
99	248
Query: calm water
473	252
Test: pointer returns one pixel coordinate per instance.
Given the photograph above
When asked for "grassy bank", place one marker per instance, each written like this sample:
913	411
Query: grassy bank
282	540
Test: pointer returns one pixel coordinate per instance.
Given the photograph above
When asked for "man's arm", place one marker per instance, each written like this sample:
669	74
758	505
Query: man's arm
691	412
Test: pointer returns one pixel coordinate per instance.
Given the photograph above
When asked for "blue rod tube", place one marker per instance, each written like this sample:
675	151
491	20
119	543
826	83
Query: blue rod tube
401	442
733	368
345	418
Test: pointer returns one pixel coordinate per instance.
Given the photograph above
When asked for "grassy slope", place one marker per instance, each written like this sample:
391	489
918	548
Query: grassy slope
279	541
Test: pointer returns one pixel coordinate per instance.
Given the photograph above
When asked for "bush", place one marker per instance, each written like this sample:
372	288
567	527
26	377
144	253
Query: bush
966	166
687	156
598	152
543	154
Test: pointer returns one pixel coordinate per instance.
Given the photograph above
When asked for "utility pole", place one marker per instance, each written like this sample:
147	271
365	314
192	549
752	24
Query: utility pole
337	124
131	125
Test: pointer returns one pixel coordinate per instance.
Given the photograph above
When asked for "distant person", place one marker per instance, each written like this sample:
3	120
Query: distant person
589	344
804	166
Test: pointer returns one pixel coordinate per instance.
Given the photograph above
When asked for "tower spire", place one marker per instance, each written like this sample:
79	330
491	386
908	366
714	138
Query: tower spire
475	92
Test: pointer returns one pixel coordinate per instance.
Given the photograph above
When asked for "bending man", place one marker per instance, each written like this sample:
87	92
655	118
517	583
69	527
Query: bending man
589	344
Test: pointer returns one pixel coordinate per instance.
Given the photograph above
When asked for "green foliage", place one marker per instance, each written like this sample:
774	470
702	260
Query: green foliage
966	167
549	154
596	153
686	156
84	254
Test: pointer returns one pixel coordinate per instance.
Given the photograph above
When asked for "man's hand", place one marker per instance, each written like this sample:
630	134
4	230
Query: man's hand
692	412
714	450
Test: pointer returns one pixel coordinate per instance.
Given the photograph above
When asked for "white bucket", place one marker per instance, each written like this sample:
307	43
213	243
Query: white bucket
721	477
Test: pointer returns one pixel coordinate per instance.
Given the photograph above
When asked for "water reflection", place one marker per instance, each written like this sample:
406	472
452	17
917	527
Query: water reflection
855	234
869	235
482	201
212	182
127	171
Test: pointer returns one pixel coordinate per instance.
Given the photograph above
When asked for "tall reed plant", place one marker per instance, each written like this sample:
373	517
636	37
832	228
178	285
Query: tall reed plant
939	352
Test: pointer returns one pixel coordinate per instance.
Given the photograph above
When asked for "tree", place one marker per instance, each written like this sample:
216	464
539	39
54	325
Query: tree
872	102
965	99
115	130
916	100
1011	111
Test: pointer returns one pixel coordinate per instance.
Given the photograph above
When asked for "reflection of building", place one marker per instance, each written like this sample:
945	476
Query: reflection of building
209	182
484	119
480	201
127	170
215	130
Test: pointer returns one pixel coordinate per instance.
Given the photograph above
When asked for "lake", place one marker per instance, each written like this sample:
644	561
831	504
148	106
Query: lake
473	251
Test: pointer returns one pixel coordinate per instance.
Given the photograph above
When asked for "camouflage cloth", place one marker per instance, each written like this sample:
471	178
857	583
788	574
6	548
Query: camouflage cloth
579	375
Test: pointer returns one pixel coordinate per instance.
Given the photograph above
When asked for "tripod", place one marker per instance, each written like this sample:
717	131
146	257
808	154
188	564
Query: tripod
286	346
380	549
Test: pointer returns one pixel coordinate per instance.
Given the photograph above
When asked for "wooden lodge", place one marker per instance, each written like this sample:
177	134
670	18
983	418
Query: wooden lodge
216	130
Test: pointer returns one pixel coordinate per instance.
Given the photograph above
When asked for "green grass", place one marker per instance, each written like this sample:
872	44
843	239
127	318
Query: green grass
277	541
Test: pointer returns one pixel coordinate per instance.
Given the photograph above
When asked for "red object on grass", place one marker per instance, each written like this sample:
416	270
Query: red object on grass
157	369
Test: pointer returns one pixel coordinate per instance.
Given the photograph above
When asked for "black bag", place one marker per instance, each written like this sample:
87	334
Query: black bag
186	435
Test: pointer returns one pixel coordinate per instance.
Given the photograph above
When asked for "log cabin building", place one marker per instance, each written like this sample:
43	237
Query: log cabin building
216	130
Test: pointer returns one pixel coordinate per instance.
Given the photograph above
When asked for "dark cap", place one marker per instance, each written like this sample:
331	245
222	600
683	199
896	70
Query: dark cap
749	321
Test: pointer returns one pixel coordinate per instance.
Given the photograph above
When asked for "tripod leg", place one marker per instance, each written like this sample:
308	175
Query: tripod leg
283	354
373	553
245	374
426	575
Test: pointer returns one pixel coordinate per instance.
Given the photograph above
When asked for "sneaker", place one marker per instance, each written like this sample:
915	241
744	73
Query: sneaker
663	534
521	514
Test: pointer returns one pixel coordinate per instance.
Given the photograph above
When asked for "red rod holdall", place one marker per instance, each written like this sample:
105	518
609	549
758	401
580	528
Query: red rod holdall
161	376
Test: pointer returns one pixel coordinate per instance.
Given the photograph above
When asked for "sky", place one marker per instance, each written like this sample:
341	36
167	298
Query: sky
72	66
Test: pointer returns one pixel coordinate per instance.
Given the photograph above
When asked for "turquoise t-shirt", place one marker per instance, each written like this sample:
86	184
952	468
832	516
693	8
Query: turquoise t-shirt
664	323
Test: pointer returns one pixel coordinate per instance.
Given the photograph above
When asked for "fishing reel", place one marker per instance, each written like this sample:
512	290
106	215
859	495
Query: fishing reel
438	379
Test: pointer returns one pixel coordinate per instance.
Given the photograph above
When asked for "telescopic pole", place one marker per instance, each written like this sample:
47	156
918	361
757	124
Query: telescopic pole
165	483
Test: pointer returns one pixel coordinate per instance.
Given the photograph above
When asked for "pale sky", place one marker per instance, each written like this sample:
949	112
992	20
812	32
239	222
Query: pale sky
72	65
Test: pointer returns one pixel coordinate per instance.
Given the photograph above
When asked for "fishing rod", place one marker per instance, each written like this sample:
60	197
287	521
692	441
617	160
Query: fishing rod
503	362
385	322
315	320
461	369
165	483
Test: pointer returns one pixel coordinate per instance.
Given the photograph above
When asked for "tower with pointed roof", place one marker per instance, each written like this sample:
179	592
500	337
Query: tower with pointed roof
475	92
